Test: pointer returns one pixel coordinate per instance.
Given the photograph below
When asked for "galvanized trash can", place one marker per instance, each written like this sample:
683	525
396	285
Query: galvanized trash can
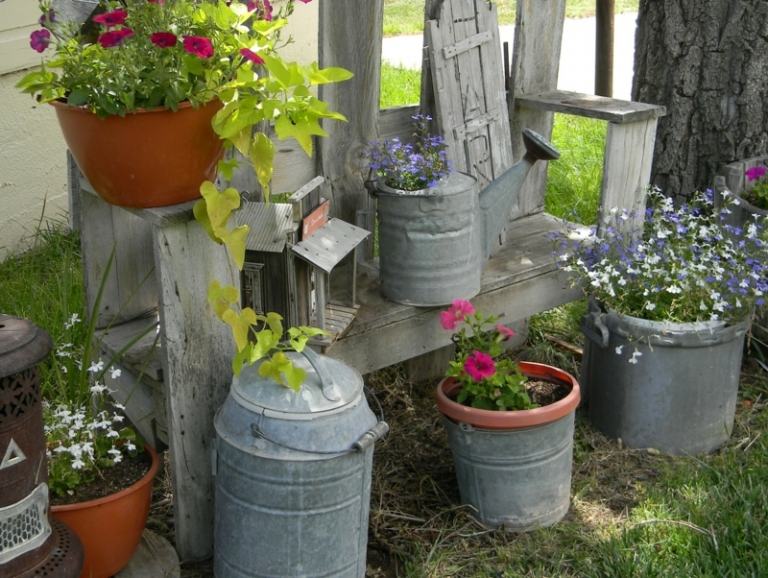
667	386
429	243
293	474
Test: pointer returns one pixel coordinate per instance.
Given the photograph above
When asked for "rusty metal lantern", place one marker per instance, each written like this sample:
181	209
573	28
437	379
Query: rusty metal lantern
29	544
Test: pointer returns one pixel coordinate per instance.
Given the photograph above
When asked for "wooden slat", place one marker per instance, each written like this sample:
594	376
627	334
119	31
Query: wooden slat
627	169
350	36
519	281
396	122
144	356
535	67
467	44
130	288
591	106
197	368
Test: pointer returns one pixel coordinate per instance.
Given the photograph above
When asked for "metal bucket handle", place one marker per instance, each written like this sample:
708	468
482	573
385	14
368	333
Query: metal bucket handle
594	321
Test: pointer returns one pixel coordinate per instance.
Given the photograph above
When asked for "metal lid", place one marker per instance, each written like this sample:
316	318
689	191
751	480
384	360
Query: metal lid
22	345
330	386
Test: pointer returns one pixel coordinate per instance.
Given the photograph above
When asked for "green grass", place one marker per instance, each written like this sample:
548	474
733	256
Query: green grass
399	86
407	16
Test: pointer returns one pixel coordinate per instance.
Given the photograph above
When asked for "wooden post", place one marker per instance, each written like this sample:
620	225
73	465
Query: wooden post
350	36
535	66
198	350
604	47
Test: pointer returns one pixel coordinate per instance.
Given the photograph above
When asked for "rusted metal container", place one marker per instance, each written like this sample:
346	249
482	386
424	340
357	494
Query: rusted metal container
29	546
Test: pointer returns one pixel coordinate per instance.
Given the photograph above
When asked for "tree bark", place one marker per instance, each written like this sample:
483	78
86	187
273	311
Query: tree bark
707	62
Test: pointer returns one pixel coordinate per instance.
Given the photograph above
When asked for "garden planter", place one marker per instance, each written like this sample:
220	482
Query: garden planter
149	158
110	528
680	395
513	467
427	242
733	178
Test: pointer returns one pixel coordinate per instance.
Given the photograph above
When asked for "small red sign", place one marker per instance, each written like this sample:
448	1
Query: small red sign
315	220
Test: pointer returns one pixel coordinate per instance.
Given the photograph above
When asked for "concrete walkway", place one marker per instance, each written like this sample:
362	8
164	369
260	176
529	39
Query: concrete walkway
577	59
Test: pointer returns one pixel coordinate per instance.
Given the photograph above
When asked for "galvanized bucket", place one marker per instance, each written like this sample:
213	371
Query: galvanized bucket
429	249
293	474
679	394
518	477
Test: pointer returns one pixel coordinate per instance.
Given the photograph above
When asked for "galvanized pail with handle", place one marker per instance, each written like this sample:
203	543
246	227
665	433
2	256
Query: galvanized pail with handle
293	474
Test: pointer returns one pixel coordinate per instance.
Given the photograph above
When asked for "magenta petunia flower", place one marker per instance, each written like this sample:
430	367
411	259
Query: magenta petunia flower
114	37
305	1
199	46
48	17
114	18
251	55
455	314
263	6
479	366
163	39
40	39
755	173
505	331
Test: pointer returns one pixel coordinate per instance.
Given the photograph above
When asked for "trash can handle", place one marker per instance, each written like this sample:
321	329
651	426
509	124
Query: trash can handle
594	321
326	381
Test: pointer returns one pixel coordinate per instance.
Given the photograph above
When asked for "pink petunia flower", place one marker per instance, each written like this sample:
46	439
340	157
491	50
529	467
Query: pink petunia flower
39	40
113	18
479	366
455	314
251	55
755	173
505	332
305	1
114	37
48	17
163	39
199	46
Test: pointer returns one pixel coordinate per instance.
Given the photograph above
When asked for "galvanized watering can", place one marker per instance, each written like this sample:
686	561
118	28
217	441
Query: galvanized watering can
433	242
293	474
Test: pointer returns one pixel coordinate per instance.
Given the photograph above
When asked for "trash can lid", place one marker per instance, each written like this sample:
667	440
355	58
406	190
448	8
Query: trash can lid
329	387
22	345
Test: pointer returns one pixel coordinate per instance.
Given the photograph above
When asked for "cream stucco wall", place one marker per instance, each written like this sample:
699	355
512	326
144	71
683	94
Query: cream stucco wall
33	179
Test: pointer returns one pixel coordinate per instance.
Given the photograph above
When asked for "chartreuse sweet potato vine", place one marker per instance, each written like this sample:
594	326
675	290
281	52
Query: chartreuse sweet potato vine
256	336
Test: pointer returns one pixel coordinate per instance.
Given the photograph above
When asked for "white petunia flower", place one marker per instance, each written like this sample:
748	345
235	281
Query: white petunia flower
115	372
96	366
619	349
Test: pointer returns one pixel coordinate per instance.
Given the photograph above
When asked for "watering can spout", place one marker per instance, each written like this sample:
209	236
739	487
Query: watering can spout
497	198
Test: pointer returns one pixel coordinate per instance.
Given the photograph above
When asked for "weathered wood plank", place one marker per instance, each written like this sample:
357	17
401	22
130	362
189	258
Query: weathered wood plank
130	287
627	169
396	122
591	106
350	36
197	368
535	67
73	186
388	344
144	355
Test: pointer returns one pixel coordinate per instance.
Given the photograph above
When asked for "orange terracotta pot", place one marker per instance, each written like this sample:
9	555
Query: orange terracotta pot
148	158
110	528
448	388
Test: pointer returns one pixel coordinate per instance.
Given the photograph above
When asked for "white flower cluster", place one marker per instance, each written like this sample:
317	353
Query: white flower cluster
688	266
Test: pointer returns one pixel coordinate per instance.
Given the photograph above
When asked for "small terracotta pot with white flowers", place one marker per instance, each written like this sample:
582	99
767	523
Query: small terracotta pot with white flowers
665	332
510	426
100	472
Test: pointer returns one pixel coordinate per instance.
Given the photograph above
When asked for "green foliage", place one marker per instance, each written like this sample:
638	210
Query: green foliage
399	86
488	380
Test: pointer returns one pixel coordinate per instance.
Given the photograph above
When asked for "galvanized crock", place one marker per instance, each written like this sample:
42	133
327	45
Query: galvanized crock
678	397
293	474
513	467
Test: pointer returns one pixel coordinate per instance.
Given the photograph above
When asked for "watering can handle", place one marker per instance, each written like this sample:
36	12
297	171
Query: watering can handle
326	381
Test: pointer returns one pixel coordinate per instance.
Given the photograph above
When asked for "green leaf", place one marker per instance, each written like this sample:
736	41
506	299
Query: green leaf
266	341
219	205
241	325
235	242
275	323
294	376
77	97
330	74
227	168
241	358
201	216
262	155
221	297
312	331
298	343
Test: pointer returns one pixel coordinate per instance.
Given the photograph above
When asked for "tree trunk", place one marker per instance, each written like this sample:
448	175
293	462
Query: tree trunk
707	62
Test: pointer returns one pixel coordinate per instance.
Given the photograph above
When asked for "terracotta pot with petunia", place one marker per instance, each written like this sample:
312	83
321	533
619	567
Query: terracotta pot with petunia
149	95
510	426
